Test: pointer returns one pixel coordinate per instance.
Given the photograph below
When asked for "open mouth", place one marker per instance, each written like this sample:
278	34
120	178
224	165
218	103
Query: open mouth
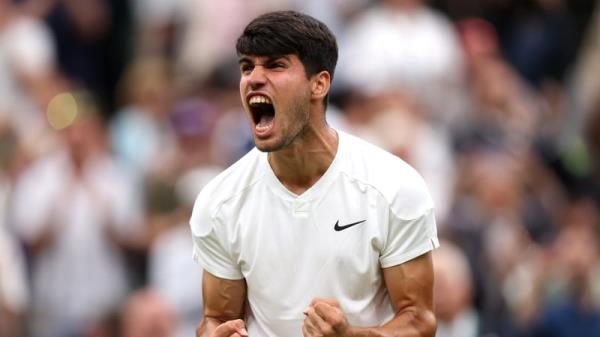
263	112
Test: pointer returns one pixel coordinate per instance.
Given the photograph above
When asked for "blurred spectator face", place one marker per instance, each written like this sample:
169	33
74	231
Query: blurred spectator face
495	180
91	17
577	244
86	135
452	285
146	314
479	38
79	136
504	243
493	81
147	83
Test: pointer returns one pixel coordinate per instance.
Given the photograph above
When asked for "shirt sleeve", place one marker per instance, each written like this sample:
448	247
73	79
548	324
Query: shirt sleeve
210	245
409	238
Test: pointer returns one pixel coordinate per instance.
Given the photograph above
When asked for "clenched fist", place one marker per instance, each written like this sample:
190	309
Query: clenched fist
324	317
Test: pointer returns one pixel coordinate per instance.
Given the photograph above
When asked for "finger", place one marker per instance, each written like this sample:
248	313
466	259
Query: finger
331	301
240	327
242	332
333	316
305	331
316	322
230	328
238	335
308	329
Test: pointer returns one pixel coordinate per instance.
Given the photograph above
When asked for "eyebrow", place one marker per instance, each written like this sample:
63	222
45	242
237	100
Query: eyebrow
248	59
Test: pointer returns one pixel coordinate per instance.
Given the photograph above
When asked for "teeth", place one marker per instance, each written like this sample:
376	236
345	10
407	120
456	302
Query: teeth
259	100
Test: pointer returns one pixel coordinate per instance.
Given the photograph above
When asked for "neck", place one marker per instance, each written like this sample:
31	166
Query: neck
300	165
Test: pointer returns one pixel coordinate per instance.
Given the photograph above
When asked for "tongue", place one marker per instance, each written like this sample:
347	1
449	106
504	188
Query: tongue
265	121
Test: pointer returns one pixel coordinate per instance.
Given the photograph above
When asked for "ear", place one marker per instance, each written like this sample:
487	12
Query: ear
321	82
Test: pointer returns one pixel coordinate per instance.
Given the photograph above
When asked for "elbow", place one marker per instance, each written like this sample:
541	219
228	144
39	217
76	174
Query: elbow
417	323
422	323
427	324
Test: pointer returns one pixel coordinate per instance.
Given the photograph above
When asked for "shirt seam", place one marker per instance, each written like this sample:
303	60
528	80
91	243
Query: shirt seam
220	204
389	203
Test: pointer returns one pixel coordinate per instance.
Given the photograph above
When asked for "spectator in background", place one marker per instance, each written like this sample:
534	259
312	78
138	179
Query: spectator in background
587	84
572	301
490	222
75	210
225	93
538	37
403	45
13	286
14	291
334	13
141	132
172	274
506	112
147	314
453	288
28	76
157	26
206	36
93	43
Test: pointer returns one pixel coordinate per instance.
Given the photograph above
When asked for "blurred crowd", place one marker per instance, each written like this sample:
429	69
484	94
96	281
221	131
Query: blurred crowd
115	113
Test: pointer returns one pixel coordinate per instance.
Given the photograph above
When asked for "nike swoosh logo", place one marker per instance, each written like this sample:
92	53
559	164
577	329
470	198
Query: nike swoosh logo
338	228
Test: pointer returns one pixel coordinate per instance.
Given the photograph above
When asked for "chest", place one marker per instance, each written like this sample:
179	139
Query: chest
327	238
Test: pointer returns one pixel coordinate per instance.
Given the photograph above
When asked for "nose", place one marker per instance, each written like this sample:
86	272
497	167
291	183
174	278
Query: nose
257	77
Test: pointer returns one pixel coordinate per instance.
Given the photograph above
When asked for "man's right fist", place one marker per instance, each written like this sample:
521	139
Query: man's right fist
235	328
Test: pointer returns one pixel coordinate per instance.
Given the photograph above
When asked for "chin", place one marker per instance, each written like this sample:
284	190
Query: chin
267	146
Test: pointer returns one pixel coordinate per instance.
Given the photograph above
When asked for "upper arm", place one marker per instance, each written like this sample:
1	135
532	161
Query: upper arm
224	299
410	287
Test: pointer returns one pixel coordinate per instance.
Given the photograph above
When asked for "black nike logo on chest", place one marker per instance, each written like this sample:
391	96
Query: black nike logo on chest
338	228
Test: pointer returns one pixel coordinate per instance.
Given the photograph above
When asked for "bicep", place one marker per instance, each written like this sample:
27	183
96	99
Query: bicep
223	299
410	287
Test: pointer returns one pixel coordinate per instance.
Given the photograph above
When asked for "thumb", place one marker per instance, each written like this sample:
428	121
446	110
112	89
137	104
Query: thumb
230	327
240	327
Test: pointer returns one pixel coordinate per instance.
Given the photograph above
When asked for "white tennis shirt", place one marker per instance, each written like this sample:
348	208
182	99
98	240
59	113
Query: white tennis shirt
370	210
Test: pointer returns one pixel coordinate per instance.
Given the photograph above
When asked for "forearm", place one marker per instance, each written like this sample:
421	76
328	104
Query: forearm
410	323
224	301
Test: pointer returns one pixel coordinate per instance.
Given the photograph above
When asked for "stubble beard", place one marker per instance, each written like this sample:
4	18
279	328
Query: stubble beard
297	127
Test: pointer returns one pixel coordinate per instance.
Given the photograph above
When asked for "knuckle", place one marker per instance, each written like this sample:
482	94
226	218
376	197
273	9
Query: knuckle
321	306
327	331
337	321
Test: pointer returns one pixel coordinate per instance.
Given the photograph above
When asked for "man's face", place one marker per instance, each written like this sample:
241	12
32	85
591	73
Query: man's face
276	95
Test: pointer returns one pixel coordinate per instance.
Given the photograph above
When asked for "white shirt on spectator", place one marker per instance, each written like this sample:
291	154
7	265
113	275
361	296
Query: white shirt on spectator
81	275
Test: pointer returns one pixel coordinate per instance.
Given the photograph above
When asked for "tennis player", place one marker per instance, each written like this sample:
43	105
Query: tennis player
314	232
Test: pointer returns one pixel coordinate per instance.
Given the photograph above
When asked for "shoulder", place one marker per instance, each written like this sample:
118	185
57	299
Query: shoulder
398	182
230	183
